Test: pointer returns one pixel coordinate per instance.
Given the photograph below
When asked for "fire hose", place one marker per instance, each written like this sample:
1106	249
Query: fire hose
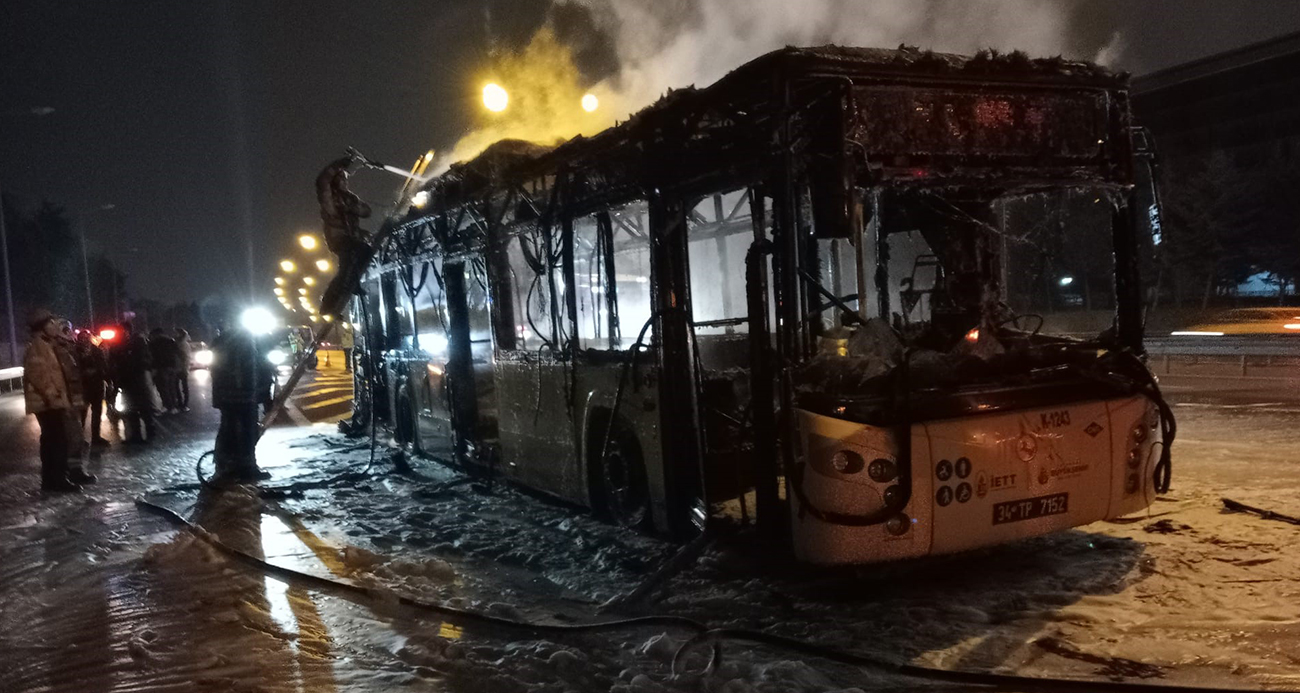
703	633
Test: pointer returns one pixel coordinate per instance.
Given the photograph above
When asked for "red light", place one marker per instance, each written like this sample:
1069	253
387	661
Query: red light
973	336
108	334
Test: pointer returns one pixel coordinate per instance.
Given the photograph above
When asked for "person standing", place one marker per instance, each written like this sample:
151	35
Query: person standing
93	365
185	353
240	381
131	365
162	351
47	396
346	343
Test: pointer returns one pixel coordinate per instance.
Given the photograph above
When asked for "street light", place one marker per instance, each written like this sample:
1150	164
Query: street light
590	103
279	281
85	268
302	291
37	111
309	281
495	97
308	241
257	320
279	291
288	266
323	265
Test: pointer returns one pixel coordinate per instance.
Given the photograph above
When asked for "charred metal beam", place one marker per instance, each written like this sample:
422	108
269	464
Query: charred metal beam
460	360
679	409
762	403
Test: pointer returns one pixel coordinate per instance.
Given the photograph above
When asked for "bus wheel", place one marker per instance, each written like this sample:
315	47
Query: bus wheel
623	492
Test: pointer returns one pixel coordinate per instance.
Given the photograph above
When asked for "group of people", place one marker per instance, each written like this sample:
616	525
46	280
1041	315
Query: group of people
68	379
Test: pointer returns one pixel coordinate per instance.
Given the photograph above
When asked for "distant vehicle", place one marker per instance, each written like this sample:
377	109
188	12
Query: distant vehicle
1242	321
200	356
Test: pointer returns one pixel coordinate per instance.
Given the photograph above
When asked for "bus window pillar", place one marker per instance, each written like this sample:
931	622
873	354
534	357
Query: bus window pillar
460	365
771	517
680	422
1128	299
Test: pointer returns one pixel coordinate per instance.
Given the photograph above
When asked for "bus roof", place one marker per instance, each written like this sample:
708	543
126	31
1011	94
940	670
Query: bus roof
1055	113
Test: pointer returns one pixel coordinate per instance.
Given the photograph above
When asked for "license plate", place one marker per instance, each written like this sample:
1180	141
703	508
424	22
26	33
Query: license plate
1029	508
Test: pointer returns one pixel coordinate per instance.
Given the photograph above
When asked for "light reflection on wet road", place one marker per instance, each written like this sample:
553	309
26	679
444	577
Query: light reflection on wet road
98	597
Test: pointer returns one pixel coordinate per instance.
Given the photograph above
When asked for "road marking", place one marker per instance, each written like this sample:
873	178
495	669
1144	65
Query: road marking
296	415
327	403
322	391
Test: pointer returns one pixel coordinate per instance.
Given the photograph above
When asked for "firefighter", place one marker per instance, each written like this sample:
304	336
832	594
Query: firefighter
65	348
341	212
48	395
166	358
241	380
93	367
131	364
185	354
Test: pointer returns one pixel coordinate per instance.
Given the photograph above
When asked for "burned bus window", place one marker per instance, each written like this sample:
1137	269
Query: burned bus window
1059	260
534	269
721	232
430	309
590	275
631	242
479	304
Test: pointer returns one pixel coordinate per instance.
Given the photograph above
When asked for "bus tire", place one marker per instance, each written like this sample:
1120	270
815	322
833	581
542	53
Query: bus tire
620	488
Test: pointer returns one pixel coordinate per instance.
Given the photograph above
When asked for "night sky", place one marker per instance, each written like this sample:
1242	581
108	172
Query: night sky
205	122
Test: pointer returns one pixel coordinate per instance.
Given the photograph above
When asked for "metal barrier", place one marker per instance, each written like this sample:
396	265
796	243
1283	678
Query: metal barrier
1240	353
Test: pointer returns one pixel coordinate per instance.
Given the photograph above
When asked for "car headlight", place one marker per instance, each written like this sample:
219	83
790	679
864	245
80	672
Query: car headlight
203	357
276	357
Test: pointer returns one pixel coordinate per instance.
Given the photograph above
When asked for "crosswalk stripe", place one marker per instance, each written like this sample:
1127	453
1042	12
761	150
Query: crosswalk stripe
326	403
322	391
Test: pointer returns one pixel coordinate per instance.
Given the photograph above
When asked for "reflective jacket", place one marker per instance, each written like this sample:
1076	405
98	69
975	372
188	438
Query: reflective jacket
45	388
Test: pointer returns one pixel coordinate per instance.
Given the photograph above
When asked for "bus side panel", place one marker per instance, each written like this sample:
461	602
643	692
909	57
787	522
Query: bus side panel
433	413
639	410
536	427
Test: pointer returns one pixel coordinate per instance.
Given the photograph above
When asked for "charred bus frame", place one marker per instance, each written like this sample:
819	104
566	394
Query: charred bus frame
817	144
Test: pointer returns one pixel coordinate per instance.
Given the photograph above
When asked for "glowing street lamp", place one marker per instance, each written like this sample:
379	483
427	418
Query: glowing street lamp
308	241
288	266
257	320
495	98
323	265
590	103
279	281
302	291
309	281
279	291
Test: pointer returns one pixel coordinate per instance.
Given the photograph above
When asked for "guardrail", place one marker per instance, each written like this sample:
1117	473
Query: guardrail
1225	346
1262	354
11	379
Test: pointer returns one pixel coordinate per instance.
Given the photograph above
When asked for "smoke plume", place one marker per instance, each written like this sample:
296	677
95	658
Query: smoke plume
668	44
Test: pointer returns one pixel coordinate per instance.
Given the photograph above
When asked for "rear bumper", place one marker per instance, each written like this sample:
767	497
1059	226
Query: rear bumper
977	480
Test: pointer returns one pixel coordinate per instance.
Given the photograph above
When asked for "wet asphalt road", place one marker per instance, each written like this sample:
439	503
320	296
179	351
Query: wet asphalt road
81	607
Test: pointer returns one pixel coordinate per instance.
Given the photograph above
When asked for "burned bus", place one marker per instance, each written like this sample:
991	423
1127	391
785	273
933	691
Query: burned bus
826	293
